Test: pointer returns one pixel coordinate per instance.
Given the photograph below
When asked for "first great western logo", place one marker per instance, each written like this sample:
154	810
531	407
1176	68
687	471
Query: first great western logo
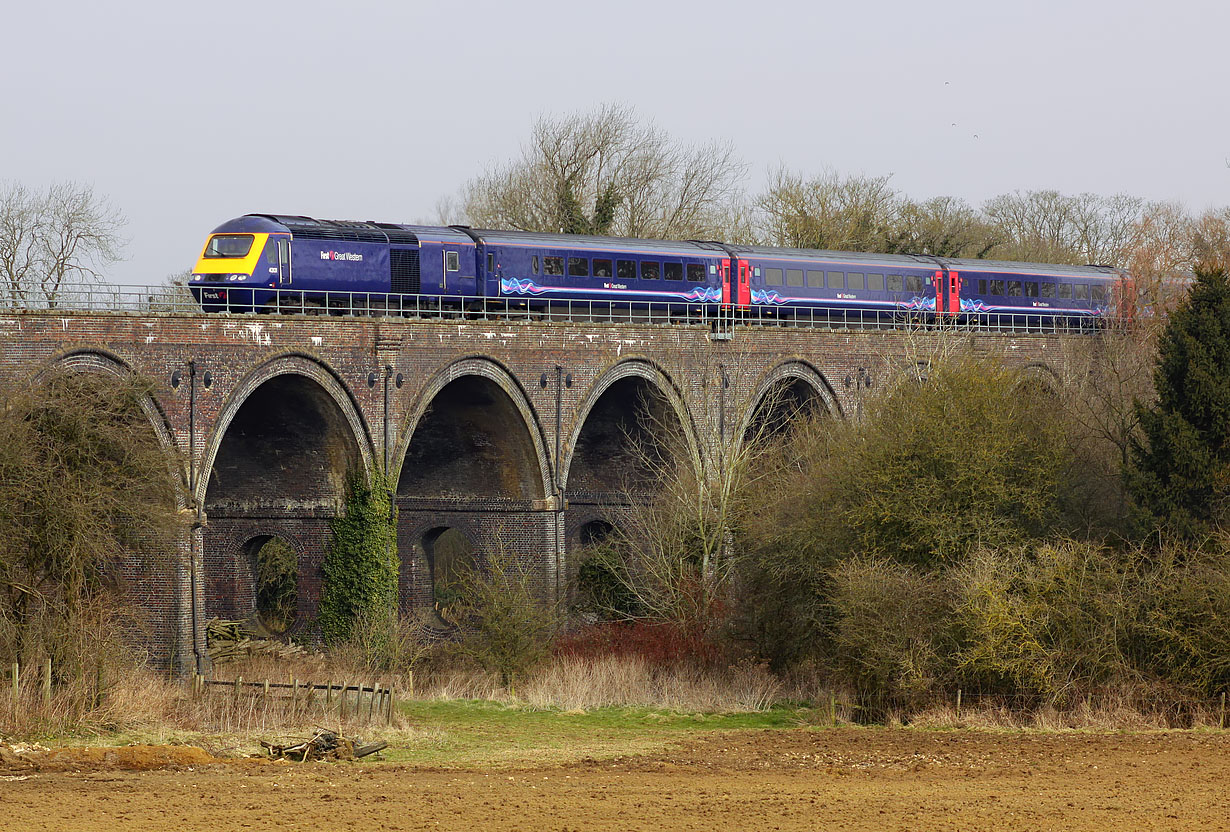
341	255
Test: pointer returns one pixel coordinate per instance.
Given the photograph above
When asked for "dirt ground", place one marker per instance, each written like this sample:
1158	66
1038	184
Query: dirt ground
843	779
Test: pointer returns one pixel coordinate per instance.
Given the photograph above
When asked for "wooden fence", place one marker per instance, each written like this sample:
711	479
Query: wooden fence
352	701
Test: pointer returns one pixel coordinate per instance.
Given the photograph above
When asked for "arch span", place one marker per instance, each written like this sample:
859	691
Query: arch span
790	390
286	439
474	434
632	424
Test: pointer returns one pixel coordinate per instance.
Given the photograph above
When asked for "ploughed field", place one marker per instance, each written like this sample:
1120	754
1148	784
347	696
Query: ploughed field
841	778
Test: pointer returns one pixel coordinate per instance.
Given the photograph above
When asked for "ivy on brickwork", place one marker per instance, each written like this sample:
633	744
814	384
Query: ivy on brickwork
361	565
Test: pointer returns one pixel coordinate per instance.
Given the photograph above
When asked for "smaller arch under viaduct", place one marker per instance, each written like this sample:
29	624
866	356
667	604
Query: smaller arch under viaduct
520	437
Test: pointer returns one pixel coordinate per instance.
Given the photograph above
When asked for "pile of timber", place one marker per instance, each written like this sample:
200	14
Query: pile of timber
229	641
324	745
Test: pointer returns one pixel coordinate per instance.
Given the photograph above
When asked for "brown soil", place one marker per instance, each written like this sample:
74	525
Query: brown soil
833	779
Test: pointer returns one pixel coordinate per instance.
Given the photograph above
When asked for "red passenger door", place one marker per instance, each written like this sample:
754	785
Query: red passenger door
947	293
745	287
724	270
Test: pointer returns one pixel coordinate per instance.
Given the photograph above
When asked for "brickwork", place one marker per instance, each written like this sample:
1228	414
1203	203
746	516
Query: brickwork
268	413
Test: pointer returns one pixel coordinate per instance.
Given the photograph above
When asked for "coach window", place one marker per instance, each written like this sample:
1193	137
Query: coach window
913	283
982	287
534	264
895	283
1099	294
603	268
696	272
578	267
1014	288
1031	289
773	277
452	261
1048	290
553	266
875	283
815	280
1082	291
997	288
672	271
837	280
794	277
650	270
1065	291
626	269
490	262
854	281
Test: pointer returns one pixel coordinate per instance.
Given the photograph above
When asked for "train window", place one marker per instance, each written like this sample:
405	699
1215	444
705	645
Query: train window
773	277
1082	291
625	269
997	288
982	287
490	262
913	283
672	271
696	272
1048	290
578	267
875	283
452	261
815	280
854	281
553	266
895	283
534	264
229	245
1014	288
837	280
1031	289
794	277
603	268
651	271
1065	291
1099	294
271	255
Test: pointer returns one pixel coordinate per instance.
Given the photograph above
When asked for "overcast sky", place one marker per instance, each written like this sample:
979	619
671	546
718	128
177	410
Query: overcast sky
186	115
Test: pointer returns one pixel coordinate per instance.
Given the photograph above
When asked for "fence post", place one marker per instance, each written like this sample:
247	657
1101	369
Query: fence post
47	683
294	697
371	703
238	685
16	682
1222	721
343	700
958	703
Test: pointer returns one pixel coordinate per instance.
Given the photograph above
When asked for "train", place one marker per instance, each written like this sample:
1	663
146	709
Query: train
280	263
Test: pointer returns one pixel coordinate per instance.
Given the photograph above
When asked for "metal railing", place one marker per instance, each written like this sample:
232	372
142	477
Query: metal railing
144	300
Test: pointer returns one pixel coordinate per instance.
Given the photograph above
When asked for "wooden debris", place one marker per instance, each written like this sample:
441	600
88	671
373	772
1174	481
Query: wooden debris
228	641
324	745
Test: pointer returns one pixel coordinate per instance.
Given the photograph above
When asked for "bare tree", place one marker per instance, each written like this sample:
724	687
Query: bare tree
49	238
608	172
1050	227
829	211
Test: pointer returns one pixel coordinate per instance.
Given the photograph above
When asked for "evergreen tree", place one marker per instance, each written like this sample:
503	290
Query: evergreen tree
1179	475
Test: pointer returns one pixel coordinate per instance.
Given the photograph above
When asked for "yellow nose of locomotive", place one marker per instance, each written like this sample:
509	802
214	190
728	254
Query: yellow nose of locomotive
229	257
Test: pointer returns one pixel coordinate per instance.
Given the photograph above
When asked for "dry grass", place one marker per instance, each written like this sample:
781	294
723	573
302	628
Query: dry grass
157	709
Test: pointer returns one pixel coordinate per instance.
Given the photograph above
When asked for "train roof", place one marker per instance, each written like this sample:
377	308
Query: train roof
382	232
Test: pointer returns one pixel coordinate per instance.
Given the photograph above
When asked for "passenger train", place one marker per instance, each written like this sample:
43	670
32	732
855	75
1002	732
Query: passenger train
270	262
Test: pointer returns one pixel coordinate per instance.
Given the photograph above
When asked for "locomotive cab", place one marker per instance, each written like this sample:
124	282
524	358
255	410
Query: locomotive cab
240	258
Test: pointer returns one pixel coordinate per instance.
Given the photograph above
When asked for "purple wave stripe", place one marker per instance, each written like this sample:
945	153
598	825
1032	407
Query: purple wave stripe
513	286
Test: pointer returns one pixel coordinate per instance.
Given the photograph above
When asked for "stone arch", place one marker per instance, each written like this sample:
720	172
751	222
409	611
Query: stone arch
473	405
96	360
785	391
303	401
609	414
1037	375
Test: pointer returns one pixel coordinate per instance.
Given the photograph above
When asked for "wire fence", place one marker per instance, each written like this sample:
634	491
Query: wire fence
230	300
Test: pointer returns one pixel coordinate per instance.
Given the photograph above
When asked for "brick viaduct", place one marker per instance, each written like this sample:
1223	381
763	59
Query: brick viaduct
516	435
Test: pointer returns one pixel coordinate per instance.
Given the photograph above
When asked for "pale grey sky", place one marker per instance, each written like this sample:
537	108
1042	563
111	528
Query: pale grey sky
186	115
